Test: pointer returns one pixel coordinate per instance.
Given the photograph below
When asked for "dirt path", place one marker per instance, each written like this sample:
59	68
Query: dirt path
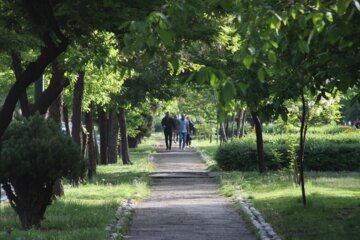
184	204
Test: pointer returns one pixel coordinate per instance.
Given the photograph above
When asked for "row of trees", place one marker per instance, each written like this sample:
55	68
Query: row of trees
120	58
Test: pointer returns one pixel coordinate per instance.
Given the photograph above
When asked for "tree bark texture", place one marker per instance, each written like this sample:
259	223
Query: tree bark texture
113	133
223	135
259	141
124	138
57	84
17	68
77	105
103	136
239	122
89	122
55	112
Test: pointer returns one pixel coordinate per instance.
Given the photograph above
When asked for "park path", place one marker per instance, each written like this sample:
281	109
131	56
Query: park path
184	204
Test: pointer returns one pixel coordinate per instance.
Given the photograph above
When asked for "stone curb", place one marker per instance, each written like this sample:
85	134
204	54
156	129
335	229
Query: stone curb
265	230
114	228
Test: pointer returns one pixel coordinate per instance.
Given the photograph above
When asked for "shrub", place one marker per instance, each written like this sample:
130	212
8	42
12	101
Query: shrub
34	153
323	152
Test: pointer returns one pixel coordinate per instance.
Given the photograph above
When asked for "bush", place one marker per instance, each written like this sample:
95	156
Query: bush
323	152
34	153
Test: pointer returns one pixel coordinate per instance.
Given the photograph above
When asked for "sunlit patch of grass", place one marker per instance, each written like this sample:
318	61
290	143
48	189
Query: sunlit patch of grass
85	211
332	211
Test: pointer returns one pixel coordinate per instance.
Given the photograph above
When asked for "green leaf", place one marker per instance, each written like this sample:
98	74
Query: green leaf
303	46
226	4
329	17
343	6
150	41
247	61
174	63
272	56
228	91
166	37
243	87
214	81
274	44
261	74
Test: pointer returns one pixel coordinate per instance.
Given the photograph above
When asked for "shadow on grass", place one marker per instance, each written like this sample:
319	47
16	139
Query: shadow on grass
64	220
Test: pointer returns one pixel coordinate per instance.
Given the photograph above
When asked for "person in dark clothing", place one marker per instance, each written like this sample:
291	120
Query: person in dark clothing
168	124
191	132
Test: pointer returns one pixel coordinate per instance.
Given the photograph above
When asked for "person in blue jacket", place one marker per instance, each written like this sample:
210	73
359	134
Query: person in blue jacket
183	130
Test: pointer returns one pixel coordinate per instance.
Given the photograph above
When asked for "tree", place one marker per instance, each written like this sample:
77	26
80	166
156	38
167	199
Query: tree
34	154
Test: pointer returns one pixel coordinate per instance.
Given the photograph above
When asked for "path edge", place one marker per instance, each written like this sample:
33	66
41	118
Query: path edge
264	229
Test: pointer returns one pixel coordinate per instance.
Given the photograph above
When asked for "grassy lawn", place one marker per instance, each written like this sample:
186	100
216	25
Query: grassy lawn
210	150
332	212
84	212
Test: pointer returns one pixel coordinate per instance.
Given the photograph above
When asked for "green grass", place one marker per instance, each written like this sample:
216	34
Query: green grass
85	211
210	150
332	212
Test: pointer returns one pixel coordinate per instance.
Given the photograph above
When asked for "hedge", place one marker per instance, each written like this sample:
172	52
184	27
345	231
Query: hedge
323	152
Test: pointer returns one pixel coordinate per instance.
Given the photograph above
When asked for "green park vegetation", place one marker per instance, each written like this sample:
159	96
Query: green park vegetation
86	210
268	81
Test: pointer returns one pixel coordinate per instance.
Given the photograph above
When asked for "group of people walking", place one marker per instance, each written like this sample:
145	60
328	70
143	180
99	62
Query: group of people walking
182	128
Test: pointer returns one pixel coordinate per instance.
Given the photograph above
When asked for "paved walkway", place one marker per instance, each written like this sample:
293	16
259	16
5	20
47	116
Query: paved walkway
184	204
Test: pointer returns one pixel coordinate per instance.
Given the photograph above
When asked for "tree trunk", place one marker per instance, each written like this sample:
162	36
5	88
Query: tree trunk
97	152
226	127
103	136
239	122
303	130
242	130
55	112
17	68
77	105
30	201
223	135
32	73
124	140
66	119
89	122
232	125
259	141
113	133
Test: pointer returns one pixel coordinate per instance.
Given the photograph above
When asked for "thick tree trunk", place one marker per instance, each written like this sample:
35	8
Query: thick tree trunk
57	84
17	68
77	105
30	201
303	130
89	122
55	113
259	141
124	140
66	119
103	136
113	133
